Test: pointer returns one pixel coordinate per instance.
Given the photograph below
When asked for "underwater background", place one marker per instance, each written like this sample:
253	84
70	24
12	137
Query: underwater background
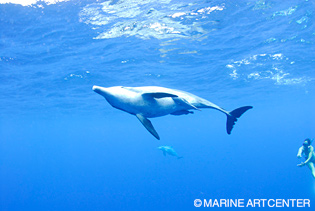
63	147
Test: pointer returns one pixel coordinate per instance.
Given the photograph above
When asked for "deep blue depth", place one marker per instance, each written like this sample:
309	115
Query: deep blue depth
63	147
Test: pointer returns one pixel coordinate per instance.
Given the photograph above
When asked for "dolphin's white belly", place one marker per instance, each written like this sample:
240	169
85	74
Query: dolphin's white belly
151	108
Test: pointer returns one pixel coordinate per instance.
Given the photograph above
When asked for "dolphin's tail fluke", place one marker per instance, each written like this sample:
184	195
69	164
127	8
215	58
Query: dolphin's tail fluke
233	116
179	157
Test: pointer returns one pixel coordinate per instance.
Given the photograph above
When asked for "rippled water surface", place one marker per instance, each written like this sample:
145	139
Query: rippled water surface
63	147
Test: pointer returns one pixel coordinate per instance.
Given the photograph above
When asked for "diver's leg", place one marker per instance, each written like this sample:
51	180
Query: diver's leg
312	168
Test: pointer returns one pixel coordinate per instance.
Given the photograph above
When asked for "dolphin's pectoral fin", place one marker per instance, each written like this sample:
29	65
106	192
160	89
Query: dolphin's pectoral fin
158	95
182	101
182	112
164	153
148	125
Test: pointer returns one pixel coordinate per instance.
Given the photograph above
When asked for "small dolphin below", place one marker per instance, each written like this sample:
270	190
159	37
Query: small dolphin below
153	101
169	150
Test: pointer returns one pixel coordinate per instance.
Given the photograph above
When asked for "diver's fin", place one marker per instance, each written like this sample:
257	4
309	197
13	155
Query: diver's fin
148	125
233	115
158	95
181	112
164	153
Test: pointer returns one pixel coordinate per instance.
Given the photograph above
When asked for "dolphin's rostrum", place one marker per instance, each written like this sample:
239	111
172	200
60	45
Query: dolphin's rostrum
152	101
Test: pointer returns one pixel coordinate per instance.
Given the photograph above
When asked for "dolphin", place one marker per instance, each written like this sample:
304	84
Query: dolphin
153	101
169	150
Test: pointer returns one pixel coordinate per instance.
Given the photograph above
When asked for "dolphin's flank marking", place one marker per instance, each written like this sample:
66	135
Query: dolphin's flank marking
152	101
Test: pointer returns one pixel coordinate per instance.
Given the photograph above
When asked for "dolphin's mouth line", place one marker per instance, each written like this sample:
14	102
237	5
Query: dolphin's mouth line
94	88
99	90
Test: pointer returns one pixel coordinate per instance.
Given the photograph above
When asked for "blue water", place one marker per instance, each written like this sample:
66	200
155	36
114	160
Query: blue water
63	147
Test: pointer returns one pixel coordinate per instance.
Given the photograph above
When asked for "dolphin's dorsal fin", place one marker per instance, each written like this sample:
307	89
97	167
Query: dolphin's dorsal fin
158	95
148	125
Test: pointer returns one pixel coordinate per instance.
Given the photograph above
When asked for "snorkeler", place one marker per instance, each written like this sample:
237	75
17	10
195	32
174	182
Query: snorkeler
309	155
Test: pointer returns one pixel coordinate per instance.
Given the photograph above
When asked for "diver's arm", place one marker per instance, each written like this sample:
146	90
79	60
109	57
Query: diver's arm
309	155
299	155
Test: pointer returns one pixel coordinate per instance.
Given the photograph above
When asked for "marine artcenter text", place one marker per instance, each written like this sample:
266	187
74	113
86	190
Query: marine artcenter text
252	203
